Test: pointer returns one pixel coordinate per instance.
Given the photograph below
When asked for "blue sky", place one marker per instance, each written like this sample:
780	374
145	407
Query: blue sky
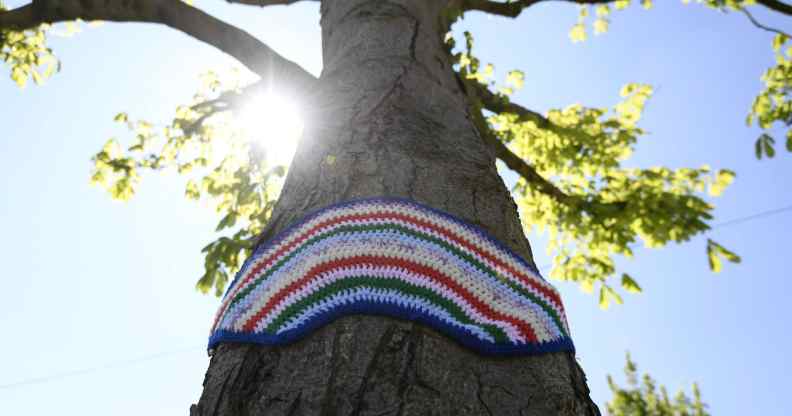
92	284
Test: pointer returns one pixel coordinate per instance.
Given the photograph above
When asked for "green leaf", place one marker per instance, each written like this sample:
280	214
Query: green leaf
37	78
714	253
122	190
764	144
192	190
768	147
643	396
789	141
515	78
778	42
205	282
603	299
577	33
98	178
185	168
606	295
758	148
723	179
629	284
19	75
228	221
121	118
714	261
600	26
729	255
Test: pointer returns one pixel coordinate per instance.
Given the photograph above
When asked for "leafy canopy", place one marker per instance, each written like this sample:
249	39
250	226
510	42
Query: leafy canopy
645	398
222	164
26	54
606	208
772	106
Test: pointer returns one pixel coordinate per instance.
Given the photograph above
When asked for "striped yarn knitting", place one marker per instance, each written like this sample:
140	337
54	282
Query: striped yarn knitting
394	257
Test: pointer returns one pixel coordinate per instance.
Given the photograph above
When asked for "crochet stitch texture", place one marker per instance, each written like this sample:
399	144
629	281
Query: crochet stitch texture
393	257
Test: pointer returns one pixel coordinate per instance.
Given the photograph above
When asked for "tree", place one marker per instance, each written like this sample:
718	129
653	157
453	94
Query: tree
398	111
644	398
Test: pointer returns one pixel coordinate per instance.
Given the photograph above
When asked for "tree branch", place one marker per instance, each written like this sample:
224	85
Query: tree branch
514	8
522	168
499	149
481	94
251	52
763	27
264	3
499	104
776	5
232	99
595	208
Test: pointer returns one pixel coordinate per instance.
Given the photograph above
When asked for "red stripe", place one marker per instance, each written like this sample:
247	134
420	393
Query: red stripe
380	261
449	234
267	262
549	293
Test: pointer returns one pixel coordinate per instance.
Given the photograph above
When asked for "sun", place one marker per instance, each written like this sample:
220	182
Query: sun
274	123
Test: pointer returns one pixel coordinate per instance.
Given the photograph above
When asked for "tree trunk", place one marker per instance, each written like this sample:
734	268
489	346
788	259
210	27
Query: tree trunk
391	119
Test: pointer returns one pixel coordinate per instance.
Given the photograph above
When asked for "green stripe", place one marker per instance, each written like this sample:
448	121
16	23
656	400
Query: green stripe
356	282
385	227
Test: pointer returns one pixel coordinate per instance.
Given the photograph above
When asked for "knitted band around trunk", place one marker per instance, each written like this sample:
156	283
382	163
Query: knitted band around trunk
393	257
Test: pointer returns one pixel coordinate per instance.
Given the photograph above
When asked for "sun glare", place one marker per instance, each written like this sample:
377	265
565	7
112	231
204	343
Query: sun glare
273	122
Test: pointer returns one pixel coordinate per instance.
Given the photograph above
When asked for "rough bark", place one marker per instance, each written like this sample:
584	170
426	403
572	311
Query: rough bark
390	118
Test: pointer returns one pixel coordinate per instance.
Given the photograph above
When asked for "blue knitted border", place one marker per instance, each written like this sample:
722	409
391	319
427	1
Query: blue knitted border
458	335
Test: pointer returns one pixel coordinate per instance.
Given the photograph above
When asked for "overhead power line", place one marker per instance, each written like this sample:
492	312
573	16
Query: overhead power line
758	215
109	366
735	221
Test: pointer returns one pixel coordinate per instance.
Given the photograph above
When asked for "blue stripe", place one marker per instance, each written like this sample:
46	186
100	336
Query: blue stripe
367	307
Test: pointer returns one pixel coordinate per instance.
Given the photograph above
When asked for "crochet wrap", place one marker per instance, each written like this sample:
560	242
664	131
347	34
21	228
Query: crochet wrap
398	258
